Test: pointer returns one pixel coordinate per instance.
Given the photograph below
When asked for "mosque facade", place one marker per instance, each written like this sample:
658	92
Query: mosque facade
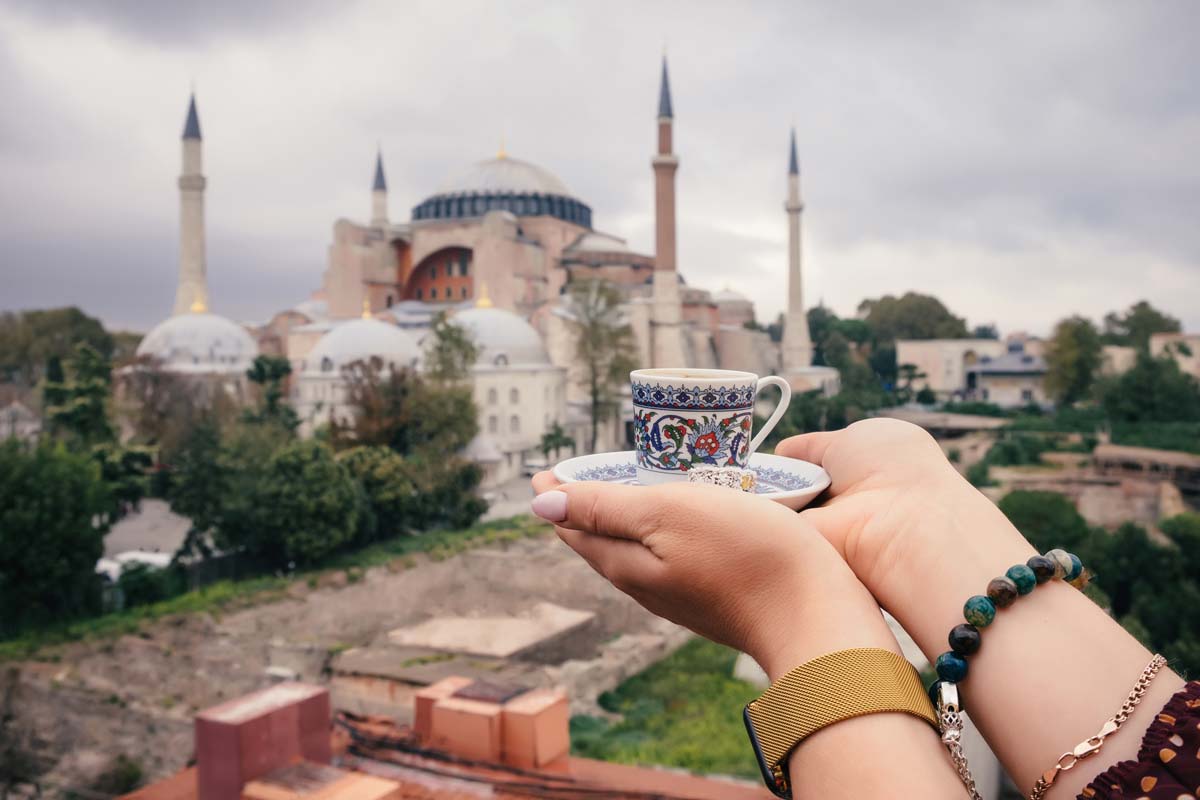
495	248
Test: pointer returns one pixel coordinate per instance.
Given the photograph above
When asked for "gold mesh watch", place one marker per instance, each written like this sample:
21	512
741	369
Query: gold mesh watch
829	689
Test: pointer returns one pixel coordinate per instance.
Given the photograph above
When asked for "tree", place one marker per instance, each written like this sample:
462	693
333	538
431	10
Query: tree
450	351
82	413
555	440
53	517
199	483
296	507
1134	327
268	373
28	339
603	346
1072	360
985	332
397	408
1046	519
913	316
1154	390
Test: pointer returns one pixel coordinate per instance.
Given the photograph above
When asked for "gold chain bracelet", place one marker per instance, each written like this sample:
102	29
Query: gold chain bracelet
1089	747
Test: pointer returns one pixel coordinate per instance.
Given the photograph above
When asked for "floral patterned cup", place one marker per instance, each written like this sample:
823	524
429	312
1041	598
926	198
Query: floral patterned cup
683	418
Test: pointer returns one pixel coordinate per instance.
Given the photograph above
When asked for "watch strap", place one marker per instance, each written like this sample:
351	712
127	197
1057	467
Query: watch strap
831	688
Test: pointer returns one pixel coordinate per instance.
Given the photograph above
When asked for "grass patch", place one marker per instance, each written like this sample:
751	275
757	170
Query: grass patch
230	595
685	711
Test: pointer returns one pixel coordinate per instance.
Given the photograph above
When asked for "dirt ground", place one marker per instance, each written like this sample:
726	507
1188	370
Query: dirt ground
82	704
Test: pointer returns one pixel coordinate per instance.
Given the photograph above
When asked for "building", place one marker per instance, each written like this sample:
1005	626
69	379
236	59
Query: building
194	343
1012	380
942	364
498	244
468	739
18	422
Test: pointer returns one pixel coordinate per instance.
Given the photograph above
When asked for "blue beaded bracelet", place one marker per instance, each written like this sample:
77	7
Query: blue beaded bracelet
980	610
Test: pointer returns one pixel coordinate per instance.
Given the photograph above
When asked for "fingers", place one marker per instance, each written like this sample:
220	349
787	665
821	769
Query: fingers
809	447
544	481
626	564
611	509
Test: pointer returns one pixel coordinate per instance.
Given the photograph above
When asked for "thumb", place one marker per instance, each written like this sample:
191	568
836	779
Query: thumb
609	509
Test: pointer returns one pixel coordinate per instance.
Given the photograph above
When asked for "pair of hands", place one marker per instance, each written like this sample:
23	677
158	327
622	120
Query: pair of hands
754	575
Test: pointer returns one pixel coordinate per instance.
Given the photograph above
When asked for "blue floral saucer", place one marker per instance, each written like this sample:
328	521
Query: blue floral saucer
784	480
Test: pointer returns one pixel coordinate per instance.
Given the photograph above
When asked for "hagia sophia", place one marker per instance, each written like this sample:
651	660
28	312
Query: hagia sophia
494	247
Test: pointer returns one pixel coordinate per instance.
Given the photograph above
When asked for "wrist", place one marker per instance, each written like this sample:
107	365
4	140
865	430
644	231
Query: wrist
835	612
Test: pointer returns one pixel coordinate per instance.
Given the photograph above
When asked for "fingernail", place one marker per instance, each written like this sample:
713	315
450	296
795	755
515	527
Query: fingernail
550	506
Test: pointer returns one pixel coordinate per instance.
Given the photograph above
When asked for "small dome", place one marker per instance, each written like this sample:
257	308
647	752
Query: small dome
596	242
200	342
503	338
362	340
728	295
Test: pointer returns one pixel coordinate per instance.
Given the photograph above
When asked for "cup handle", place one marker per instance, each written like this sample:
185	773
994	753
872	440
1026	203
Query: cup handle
785	391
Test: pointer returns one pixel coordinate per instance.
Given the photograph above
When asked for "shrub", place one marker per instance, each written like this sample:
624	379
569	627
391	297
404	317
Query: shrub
390	487
142	584
1046	519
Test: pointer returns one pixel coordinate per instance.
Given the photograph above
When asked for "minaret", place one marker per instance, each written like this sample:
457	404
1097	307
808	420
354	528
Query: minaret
667	316
379	215
797	346
192	293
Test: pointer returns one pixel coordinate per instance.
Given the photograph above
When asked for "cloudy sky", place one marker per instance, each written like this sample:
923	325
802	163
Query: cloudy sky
1022	161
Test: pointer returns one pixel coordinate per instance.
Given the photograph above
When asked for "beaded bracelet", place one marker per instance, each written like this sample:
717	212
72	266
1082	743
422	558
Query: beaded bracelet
964	640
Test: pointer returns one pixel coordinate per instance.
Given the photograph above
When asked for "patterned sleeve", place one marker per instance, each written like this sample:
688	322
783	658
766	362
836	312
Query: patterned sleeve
1168	763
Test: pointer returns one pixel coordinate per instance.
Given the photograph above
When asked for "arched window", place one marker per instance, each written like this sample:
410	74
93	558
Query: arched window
433	270
464	292
514	424
389	301
514	396
419	295
477	205
433	293
326	364
463	264
500	360
493	424
493	396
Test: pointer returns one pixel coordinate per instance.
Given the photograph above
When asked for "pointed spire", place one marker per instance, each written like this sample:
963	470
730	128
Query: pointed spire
793	162
664	94
366	305
380	184
191	128
483	301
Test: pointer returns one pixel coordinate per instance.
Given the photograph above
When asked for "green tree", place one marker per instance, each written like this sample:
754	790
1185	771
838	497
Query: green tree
297	508
1072	360
450	351
82	413
269	374
1046	519
604	347
912	316
53	517
555	440
985	332
28	339
1135	326
1153	390
397	408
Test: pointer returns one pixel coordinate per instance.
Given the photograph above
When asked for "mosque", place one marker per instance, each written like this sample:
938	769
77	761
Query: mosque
494	247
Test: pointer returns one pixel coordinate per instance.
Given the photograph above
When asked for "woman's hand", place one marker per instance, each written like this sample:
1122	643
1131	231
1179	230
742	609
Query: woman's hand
730	566
897	510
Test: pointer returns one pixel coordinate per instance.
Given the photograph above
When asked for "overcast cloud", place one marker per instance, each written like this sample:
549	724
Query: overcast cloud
1022	161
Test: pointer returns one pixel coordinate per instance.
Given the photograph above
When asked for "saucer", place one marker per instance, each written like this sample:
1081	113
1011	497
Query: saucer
785	480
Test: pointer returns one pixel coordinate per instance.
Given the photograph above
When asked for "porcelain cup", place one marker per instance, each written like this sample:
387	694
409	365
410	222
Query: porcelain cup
683	418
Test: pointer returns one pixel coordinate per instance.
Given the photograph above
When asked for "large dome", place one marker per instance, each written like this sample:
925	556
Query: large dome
503	338
507	184
362	340
200	343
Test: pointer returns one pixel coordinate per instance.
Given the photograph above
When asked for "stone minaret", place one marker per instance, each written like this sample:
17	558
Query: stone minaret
379	213
192	293
797	346
667	316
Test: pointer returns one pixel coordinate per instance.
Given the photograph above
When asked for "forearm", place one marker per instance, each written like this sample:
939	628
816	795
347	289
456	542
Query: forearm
1053	666
877	755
